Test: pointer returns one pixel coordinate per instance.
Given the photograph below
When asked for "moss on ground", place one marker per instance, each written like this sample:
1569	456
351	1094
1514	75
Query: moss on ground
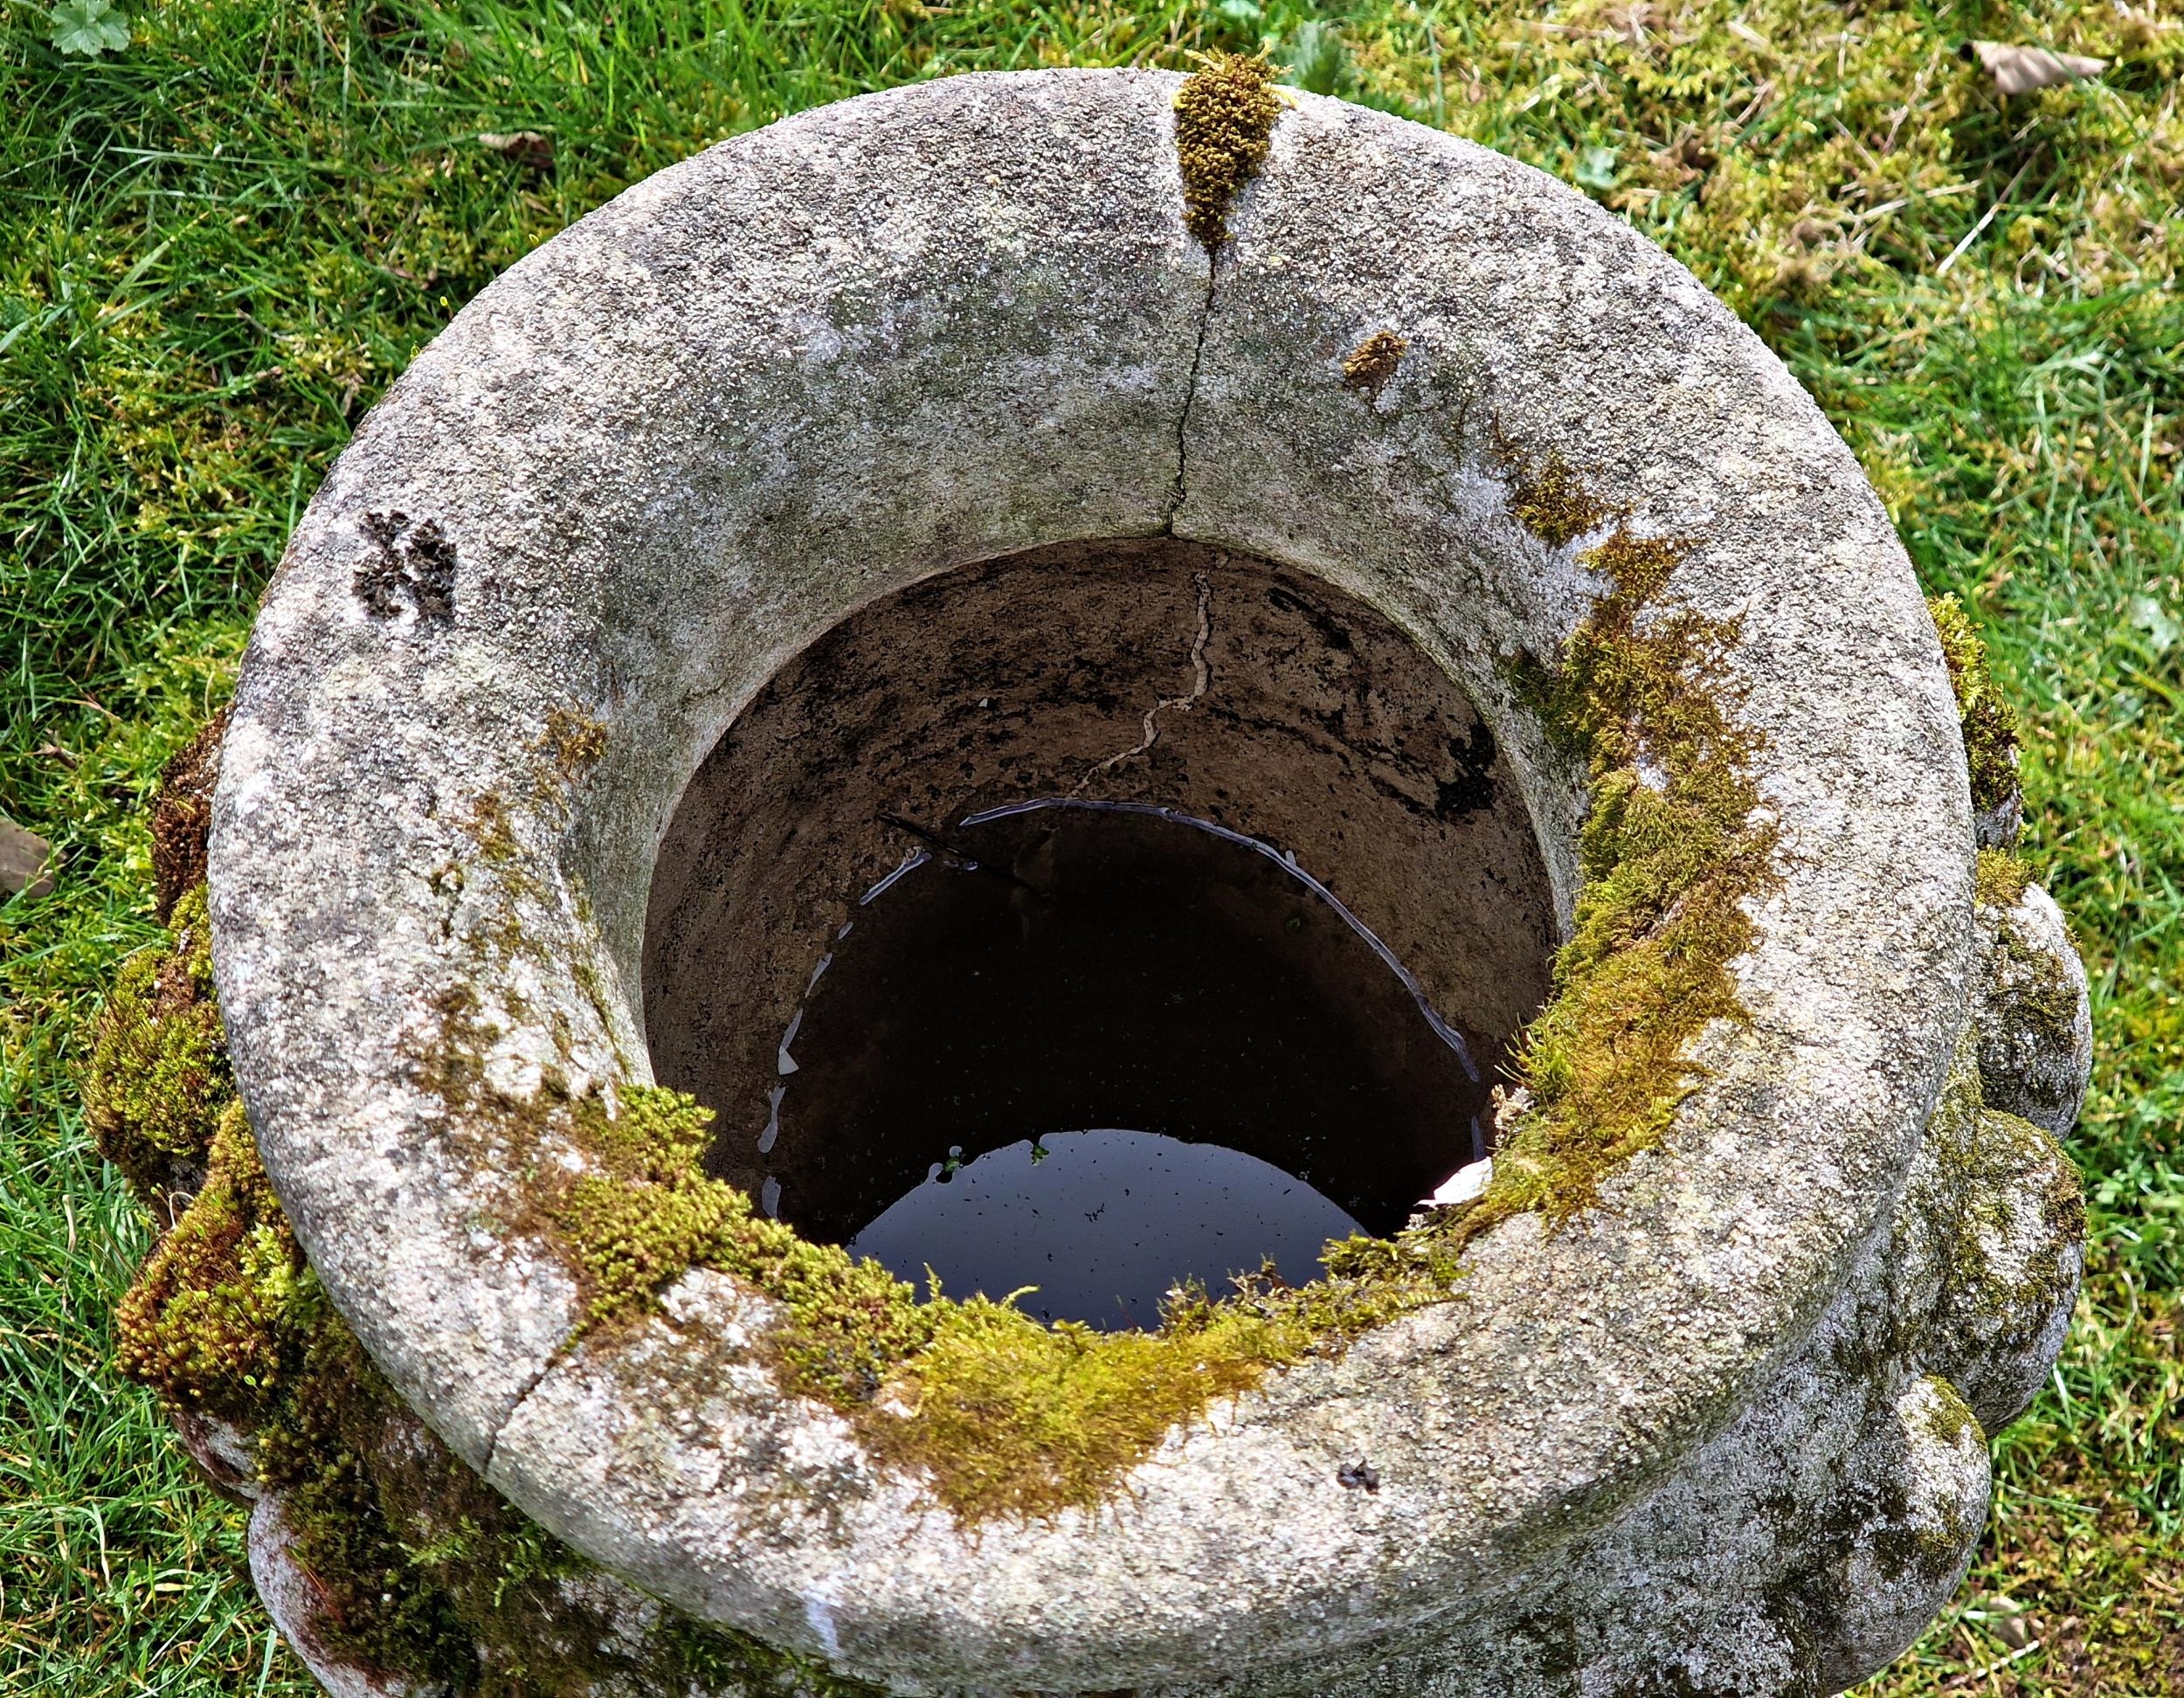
1224	124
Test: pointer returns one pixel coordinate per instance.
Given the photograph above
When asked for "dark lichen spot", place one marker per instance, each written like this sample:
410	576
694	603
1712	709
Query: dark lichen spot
1471	787
1224	124
1989	722
381	578
419	563
181	816
432	562
1373	361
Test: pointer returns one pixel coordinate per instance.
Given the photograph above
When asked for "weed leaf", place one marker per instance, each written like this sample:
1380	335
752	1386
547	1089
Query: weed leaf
88	27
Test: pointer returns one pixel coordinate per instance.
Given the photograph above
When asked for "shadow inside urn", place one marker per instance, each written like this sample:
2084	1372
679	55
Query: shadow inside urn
1098	920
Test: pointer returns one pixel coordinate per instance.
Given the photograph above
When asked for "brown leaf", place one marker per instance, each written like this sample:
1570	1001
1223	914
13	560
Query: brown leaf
2019	70
23	857
529	149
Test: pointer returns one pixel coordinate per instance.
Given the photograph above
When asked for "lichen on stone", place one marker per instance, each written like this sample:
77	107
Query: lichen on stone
1672	850
1989	722
1224	126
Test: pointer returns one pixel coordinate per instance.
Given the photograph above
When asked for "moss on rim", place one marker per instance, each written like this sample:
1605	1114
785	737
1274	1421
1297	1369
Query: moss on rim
1005	1415
1674	847
1224	124
1990	723
1009	1416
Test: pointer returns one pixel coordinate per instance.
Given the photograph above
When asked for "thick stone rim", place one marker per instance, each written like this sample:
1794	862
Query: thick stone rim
927	328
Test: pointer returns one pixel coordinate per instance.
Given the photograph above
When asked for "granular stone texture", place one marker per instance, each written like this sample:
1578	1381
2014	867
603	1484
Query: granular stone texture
1715	1422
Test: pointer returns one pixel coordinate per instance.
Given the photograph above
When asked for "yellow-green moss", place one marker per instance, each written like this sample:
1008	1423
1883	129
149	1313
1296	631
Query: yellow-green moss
1673	848
211	1320
1224	124
1374	361
1998	878
1549	500
1007	1416
158	1075
1989	722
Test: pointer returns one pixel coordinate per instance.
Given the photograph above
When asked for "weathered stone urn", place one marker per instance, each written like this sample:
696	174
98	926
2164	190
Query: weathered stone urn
1186	443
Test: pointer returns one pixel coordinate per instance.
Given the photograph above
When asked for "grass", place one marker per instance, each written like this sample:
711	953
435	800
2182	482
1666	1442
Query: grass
219	244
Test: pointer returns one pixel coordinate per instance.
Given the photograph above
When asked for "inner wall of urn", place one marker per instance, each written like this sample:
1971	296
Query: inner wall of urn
1136	875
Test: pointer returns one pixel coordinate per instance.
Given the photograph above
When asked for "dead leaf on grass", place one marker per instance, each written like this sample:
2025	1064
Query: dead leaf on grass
2019	70
531	149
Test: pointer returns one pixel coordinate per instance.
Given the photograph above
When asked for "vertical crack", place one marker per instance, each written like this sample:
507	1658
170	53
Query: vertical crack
1189	397
1201	676
1224	126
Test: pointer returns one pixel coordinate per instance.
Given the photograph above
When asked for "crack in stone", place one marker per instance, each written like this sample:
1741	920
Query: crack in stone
562	1353
1201	678
1189	397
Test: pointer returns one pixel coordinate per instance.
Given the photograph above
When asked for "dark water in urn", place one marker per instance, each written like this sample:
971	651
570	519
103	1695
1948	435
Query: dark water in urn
1213	1062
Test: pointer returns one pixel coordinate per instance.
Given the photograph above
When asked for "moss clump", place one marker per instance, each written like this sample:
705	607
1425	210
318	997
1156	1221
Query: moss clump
1998	878
181	816
158	1077
1373	361
1548	498
1990	723
212	1320
420	1569
1005	1415
1224	124
318	1453
1674	846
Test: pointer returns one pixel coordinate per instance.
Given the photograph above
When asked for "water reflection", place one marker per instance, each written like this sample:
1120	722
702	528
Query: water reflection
1103	1223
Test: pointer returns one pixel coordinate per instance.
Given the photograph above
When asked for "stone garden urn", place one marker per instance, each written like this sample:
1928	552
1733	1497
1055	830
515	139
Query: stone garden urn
1186	450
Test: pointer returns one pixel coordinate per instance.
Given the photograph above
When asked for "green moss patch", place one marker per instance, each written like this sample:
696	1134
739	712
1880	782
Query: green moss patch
1006	1416
1224	124
1671	852
1990	723
158	1075
1998	878
210	1321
